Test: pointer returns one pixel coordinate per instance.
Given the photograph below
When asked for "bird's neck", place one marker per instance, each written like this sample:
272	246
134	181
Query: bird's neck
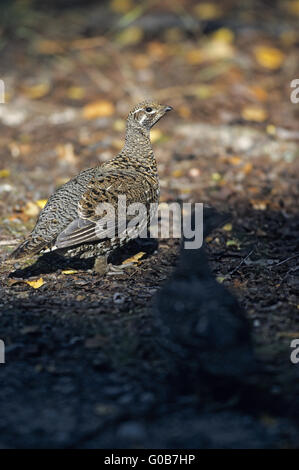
137	141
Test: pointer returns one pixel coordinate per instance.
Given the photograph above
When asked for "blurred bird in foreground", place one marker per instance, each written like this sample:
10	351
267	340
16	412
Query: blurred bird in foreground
201	324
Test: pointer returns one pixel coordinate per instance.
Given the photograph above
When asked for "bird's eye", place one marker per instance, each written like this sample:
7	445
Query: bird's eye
148	110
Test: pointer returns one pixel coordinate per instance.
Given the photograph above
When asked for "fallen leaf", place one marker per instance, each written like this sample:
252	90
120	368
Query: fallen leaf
130	36
37	91
289	334
76	93
247	168
36	284
271	129
208	11
31	209
119	125
293	7
66	152
233	243
4	173
227	227
156	135
254	113
224	35
41	203
269	57
259	93
121	6
134	259
69	271
184	112
101	108
194	57
47	46
259	205
234	160
216	176
177	174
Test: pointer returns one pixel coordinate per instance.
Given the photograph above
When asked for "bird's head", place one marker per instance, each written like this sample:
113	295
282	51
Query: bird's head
147	114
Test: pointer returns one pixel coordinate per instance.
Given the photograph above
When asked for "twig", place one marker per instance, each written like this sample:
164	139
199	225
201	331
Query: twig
285	260
242	261
8	242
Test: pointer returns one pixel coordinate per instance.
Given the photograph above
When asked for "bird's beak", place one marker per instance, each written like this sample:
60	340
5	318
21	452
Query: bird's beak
168	108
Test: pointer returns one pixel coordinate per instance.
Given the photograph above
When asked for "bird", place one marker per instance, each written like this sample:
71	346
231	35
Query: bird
71	222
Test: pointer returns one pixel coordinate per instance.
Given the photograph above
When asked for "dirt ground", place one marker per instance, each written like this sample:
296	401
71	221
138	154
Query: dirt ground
82	367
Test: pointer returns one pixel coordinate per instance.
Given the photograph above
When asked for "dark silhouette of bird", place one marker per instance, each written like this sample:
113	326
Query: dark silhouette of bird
72	220
201	325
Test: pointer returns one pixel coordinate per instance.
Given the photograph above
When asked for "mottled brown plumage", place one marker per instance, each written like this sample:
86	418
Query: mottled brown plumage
71	220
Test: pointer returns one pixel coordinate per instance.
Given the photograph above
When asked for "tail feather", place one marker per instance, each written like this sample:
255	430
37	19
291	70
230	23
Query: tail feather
30	246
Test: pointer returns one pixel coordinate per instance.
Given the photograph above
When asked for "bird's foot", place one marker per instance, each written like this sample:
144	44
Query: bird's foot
114	269
101	266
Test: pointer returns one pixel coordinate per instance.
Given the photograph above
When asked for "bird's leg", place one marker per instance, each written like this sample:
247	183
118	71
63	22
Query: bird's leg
101	264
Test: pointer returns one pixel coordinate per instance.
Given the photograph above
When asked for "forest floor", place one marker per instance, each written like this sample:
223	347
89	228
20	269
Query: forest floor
80	359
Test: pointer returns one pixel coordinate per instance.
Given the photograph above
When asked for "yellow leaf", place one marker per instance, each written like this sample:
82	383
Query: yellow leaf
37	91
4	173
184	111
101	108
216	177
254	113
177	174
121	6
76	93
269	57
194	56
259	93
119	125
47	46
207	11
129	36
233	243
247	168
140	61
271	129
220	279
204	91
36	284
134	259
227	227
224	35
235	160
293	7
259	205
289	37
156	135
69	271
66	152
41	203
31	209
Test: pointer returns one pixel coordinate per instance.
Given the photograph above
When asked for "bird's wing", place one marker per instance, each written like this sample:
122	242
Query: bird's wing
98	207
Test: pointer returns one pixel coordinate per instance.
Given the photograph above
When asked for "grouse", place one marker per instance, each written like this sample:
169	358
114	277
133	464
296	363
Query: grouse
71	221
